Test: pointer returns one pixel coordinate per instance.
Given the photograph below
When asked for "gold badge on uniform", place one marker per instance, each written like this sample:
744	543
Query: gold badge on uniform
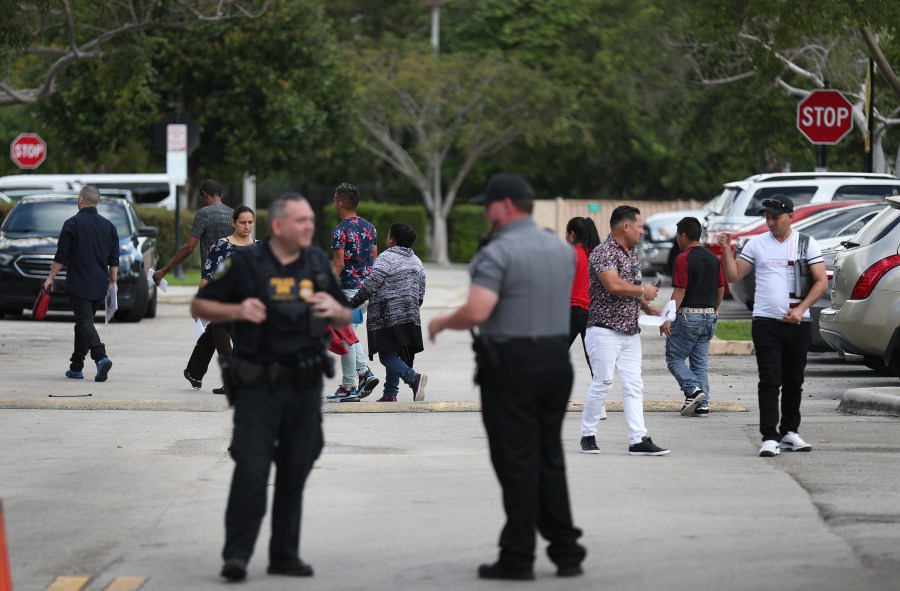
281	288
306	289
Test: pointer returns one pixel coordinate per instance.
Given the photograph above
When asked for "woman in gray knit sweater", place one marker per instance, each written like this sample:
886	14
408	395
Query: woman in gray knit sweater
395	289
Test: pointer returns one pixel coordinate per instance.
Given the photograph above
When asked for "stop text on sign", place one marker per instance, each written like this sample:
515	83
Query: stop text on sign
28	151
824	116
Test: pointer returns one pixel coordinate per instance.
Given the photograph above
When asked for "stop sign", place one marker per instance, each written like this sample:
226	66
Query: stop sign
825	117
28	150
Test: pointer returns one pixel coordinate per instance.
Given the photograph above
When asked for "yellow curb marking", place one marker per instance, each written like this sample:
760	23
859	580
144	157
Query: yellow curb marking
68	583
126	584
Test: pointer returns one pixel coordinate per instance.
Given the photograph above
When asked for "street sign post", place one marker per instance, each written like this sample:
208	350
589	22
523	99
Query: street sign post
28	150
825	117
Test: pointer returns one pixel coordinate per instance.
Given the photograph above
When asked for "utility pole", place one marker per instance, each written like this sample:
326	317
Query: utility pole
435	24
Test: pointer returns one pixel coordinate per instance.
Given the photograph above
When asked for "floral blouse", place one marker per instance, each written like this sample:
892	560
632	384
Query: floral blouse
220	251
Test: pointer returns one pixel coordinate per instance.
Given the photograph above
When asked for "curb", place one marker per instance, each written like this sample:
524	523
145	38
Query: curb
719	347
871	401
327	408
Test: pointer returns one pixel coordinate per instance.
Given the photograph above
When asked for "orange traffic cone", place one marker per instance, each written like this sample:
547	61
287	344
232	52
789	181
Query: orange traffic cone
5	577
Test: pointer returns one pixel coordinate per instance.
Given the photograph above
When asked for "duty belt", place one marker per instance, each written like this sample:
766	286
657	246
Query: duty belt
697	310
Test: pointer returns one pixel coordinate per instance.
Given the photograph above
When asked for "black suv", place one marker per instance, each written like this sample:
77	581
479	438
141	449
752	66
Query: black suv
28	239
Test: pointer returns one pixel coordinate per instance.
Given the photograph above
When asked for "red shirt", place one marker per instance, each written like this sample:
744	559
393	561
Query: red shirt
582	282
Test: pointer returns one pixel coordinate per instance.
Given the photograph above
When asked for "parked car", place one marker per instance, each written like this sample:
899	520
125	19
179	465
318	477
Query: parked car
28	240
658	239
829	227
864	316
802	187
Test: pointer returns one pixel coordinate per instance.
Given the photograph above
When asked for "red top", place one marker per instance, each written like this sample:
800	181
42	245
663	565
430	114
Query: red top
582	282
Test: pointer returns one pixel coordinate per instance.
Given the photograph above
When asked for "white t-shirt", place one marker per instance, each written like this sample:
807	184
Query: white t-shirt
775	272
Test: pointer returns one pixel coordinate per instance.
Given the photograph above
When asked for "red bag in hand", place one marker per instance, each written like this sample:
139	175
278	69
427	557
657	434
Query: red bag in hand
40	305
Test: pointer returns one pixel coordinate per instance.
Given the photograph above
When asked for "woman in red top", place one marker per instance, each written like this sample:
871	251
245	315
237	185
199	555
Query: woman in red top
582	234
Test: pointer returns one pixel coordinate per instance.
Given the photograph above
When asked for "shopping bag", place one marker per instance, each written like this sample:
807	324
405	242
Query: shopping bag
41	304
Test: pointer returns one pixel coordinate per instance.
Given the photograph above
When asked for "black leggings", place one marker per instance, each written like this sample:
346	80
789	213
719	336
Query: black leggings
578	321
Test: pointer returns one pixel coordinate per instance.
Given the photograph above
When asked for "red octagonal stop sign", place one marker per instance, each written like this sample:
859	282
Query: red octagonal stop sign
825	117
28	150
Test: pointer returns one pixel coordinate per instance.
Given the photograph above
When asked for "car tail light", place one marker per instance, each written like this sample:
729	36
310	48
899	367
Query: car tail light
868	280
829	273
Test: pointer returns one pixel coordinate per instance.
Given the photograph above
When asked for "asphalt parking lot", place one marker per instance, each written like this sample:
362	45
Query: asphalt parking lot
129	478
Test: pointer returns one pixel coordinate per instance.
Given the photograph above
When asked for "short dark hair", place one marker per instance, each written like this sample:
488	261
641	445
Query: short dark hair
211	187
348	194
403	234
690	227
277	208
239	210
623	213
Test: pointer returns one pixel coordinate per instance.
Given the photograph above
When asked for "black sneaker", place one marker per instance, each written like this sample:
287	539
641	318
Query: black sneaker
692	402
294	568
418	386
498	571
702	411
195	383
589	445
646	448
574	570
234	569
219	390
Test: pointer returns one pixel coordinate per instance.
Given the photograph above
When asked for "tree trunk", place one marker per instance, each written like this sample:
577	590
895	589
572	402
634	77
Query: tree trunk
440	249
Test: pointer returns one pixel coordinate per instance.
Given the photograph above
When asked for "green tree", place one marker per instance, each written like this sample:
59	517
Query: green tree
433	118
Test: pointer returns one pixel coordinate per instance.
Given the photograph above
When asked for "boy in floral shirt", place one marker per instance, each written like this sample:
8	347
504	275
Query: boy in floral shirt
354	246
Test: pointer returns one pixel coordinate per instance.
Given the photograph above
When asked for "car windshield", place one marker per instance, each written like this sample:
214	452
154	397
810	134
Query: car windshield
878	228
829	225
46	218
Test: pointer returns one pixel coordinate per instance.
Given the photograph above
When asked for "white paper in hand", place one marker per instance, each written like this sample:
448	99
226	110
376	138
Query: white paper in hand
668	314
199	328
112	303
163	284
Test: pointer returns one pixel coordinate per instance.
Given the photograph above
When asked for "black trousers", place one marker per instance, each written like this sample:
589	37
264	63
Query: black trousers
781	359
214	338
578	321
523	403
86	338
284	426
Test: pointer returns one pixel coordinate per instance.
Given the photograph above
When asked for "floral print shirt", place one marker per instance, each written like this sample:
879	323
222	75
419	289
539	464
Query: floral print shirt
220	251
618	313
356	237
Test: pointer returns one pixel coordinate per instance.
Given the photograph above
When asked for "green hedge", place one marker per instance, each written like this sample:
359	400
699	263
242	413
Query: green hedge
466	226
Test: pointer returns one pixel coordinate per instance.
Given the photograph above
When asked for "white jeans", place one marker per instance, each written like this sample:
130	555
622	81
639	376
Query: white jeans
613	352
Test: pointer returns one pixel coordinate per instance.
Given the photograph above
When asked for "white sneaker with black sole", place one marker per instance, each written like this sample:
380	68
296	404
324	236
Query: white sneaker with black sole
793	442
769	449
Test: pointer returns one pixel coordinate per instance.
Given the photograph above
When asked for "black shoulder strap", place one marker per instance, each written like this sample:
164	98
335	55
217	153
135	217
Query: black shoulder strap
802	246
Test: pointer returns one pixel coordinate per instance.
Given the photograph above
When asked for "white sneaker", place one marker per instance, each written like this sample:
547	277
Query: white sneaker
769	449
793	442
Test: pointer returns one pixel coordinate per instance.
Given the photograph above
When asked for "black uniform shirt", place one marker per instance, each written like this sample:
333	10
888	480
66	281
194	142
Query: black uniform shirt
237	279
88	246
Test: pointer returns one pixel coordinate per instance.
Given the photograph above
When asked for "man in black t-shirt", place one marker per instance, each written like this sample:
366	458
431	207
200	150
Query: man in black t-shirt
699	286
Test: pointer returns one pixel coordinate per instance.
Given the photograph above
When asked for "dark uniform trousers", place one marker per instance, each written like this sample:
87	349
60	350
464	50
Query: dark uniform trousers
87	341
781	359
523	402
214	338
284	426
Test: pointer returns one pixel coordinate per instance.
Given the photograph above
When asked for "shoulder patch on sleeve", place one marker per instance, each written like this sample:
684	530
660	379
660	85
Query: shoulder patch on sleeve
221	270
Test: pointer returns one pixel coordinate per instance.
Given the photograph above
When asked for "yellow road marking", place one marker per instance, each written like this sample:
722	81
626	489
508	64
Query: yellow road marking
68	583
126	584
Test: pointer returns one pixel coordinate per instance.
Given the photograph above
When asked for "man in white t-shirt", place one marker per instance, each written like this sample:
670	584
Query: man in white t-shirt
781	328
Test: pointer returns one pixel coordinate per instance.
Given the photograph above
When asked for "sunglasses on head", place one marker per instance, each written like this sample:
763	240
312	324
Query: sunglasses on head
774	203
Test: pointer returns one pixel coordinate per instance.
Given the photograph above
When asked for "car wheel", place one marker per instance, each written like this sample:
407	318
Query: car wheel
151	305
136	312
877	364
14	312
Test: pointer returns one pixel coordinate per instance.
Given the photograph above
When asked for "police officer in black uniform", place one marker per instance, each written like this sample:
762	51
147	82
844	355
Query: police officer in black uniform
519	300
280	298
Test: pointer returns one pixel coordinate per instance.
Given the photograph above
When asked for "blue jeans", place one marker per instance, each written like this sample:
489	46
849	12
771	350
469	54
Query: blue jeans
395	370
691	334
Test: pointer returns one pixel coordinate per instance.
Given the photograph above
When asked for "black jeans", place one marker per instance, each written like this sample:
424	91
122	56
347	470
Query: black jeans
214	338
284	426
523	403
578	321
86	338
781	358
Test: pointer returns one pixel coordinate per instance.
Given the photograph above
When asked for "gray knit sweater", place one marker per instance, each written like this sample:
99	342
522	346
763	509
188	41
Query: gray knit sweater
395	289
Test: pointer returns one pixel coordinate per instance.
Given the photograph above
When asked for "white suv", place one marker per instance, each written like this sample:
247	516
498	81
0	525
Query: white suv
745	197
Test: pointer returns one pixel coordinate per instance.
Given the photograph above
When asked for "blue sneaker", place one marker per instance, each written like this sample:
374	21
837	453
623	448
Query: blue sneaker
103	367
342	395
367	383
75	375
